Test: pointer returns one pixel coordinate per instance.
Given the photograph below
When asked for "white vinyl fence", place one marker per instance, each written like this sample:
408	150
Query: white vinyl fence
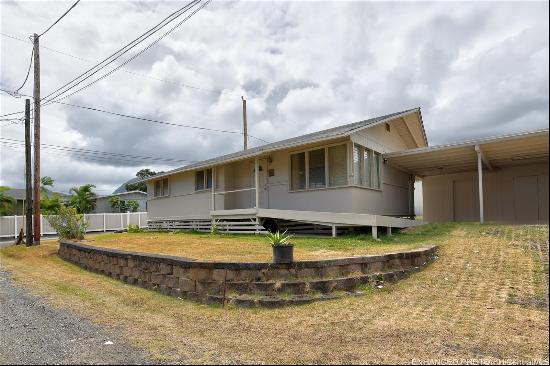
11	225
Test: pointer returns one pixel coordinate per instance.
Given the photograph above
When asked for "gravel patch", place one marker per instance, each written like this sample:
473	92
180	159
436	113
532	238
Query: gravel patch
32	332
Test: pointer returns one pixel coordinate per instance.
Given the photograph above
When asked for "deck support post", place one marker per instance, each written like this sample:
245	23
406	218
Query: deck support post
334	232
257	182
480	183
388	230
213	188
375	232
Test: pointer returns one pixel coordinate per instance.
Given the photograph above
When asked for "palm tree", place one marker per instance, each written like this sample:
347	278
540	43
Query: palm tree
6	202
50	205
83	198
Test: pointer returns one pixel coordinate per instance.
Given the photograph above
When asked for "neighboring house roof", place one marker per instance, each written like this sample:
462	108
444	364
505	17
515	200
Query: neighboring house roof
331	133
124	194
19	193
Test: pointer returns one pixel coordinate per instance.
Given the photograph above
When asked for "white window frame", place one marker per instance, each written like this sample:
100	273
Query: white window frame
162	193
327	167
375	168
205	179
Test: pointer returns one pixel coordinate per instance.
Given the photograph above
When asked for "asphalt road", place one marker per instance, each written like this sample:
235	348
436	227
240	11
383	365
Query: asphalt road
32	332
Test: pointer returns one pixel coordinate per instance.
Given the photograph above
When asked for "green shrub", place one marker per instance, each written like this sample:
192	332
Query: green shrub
133	228
68	223
277	239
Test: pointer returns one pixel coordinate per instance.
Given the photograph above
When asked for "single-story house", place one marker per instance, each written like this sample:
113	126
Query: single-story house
344	178
103	203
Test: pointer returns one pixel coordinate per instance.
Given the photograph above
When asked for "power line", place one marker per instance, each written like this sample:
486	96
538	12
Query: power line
173	82
79	150
28	72
85	157
119	53
61	17
133	57
146	119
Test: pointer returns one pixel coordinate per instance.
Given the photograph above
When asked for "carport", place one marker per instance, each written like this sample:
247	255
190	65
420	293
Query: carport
514	168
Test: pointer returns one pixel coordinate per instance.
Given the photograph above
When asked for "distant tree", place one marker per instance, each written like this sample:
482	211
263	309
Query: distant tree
132	205
83	198
51	205
46	181
141	186
7	202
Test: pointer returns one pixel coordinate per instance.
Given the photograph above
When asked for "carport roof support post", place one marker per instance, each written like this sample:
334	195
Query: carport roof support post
480	182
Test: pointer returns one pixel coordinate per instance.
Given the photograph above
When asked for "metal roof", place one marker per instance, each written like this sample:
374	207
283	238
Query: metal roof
329	134
499	151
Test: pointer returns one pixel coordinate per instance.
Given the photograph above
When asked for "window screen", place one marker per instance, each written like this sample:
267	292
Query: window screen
357	164
376	170
158	188
367	174
199	180
298	171
317	168
337	166
165	187
209	178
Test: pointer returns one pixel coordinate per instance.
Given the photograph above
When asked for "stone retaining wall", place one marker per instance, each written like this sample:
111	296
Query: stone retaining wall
200	280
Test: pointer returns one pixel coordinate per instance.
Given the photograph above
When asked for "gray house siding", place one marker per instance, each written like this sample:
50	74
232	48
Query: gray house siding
393	198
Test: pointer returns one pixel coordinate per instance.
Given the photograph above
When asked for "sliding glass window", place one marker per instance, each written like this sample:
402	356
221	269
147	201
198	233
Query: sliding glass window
316	159
337	166
319	168
366	167
298	171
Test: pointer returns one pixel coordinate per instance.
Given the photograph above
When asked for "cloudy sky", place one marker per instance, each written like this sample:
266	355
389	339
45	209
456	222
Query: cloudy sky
475	69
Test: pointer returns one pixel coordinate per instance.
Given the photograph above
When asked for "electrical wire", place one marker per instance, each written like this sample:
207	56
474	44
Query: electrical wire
173	82
135	56
119	53
28	73
87	158
98	153
61	17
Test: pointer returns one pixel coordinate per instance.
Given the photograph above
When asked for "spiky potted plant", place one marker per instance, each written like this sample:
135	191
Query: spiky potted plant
283	249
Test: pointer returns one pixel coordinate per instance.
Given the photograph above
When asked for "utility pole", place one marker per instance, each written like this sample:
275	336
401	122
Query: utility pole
28	173
245	127
36	96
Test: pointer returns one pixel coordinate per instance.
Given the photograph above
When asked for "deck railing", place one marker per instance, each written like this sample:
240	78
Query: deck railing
11	225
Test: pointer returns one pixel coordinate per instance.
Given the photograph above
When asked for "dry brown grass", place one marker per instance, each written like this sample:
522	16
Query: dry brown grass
247	248
463	306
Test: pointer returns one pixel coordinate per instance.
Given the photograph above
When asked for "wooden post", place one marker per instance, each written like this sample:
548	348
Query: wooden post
388	230
257	181
36	96
245	125
104	226
334	231
375	232
480	185
213	188
28	173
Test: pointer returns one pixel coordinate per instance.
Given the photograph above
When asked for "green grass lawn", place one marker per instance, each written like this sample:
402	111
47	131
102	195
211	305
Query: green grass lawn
240	247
